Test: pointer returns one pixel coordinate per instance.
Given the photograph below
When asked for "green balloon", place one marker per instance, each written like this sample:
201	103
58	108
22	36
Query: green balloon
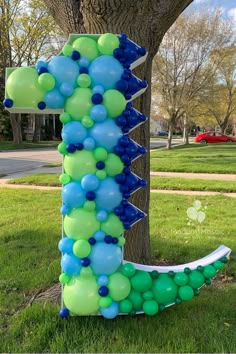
218	265
114	102
150	307
84	80
81	296
46	81
125	306
113	165
121	241
100	154
141	281
186	292
89	205
119	286
87	47
79	104
164	289
196	279
136	300
79	164
67	50
107	43
128	270
62	148
64	278
81	248
209	271
23	88
112	226
80	224
64	178
87	122
148	295
105	301
86	272
180	278
65	117
101	174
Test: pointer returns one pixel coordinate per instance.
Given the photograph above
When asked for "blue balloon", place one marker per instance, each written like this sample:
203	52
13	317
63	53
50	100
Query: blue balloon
89	143
84	62
102	215
106	134
70	264
73	132
54	99
98	113
98	89
106	71
64	69
99	235
73	194
111	311
105	258
66	89
103	280
41	64
65	245
90	182
108	195
65	209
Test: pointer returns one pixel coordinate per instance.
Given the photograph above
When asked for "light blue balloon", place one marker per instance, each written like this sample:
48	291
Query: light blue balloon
106	71
98	89
99	235
65	245
70	264
90	182
65	209
41	64
108	195
103	280
106	134
64	69
111	311
98	113
73	194
102	215
54	99
66	89
89	144
105	258
73	132
84	62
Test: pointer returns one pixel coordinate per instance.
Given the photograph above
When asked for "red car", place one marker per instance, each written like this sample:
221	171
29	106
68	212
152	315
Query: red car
214	137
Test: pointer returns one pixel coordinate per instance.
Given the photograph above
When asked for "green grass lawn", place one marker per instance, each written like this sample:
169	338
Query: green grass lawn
9	145
212	158
174	183
29	260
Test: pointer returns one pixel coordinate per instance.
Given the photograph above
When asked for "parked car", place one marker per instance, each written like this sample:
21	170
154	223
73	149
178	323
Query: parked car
162	133
214	137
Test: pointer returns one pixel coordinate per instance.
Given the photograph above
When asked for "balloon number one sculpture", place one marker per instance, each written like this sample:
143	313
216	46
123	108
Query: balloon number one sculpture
91	84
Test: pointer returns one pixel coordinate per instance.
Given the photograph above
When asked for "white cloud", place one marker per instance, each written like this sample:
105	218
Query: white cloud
232	13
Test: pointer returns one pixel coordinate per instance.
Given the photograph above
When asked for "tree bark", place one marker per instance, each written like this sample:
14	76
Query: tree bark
145	22
185	132
16	127
170	135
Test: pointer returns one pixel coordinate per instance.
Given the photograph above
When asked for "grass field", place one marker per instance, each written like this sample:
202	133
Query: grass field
212	158
29	261
9	145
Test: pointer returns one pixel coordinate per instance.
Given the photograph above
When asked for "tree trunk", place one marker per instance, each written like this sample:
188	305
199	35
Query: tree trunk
37	128
145	22
185	132
170	135
16	127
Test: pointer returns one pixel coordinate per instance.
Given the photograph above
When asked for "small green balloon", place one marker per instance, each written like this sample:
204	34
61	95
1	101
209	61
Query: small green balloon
87	122
107	43
64	178
81	248
101	174
164	289
89	205
46	81
128	269
121	241
86	272
181	278
141	281
114	102
62	148
80	224
125	306
148	295
65	117
186	292
218	265
105	301
100	154
154	274
84	80
67	50
87	47
119	286
112	226
114	165
150	307
64	278
79	104
136	300
196	279
209	271
79	164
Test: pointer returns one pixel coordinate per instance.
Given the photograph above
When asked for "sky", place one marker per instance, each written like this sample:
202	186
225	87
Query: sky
228	7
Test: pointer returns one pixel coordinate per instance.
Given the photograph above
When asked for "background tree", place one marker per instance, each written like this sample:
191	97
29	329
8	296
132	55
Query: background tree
145	22
184	66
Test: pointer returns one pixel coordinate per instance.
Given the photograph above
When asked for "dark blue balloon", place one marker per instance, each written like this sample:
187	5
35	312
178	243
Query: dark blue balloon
71	148
75	55
41	105
64	313
103	290
85	262
8	102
